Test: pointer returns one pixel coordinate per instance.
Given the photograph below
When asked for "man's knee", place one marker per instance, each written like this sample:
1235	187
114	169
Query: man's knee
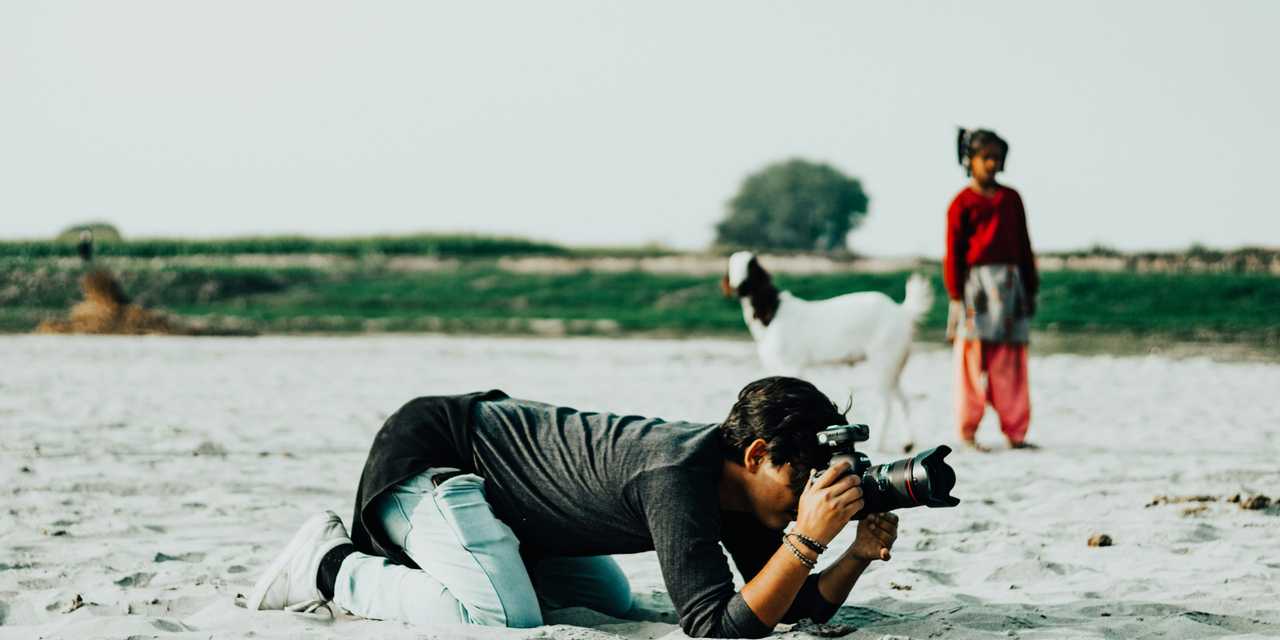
523	613
524	618
457	538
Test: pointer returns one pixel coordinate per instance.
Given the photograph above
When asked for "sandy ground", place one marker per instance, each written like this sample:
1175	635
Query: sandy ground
146	481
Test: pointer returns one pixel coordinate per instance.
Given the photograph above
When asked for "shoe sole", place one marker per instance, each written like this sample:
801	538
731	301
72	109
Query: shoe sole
304	535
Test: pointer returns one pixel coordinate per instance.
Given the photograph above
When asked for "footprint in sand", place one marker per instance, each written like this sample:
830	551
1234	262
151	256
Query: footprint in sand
169	625
937	577
1202	533
194	556
1033	570
139	579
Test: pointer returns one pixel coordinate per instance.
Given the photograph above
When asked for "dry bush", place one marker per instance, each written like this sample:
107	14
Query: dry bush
107	310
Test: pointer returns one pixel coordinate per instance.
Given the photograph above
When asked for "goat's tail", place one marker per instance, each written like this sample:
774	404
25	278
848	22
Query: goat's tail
919	297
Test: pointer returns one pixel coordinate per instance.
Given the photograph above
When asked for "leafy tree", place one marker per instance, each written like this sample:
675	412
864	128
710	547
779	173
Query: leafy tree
102	231
794	205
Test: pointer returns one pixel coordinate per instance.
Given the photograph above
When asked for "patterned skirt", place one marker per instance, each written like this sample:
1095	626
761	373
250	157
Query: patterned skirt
996	306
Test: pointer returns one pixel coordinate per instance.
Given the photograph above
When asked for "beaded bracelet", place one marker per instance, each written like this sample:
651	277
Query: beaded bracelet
817	547
810	564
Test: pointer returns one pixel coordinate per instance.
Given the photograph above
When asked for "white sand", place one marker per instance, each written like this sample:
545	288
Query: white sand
150	479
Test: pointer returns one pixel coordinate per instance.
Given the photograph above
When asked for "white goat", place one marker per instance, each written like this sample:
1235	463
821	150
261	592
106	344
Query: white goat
792	334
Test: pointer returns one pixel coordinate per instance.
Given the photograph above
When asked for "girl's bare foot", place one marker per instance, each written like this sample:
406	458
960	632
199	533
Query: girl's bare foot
973	445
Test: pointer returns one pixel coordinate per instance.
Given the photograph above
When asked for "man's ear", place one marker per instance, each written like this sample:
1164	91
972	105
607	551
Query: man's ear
755	456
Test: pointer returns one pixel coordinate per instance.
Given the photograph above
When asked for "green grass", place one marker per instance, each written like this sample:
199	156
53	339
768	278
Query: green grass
1180	304
477	296
484	296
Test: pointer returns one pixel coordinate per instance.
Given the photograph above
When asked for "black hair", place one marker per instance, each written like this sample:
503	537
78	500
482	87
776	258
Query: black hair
786	413
969	141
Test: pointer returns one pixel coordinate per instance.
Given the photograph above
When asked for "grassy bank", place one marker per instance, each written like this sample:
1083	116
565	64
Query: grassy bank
479	296
1196	259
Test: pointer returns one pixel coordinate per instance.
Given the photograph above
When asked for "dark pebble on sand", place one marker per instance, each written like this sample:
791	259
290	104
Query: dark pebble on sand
75	603
1100	540
1255	503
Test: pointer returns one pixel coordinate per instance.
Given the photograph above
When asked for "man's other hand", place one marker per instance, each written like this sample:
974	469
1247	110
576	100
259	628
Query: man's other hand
876	534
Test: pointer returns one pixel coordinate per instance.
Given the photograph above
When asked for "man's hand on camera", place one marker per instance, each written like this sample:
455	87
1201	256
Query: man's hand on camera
876	535
828	503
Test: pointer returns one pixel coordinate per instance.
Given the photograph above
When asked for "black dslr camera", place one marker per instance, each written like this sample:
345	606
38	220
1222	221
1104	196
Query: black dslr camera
923	479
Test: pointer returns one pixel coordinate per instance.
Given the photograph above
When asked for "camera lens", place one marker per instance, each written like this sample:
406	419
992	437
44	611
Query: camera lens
924	479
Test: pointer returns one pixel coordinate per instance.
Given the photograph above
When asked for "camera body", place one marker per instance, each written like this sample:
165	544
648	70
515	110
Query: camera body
842	441
924	479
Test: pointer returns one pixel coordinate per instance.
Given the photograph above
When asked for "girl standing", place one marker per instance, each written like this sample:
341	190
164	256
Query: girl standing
990	274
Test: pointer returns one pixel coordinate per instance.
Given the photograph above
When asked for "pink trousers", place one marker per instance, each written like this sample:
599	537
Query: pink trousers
1005	367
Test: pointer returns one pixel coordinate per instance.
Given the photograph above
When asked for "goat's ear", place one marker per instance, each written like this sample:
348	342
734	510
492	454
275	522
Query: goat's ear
725	287
756	272
765	315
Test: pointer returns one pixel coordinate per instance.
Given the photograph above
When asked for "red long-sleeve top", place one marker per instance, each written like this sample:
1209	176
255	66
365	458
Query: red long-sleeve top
986	230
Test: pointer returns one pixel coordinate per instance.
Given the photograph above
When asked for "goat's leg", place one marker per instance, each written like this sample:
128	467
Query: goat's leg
906	419
789	371
886	416
883	370
893	381
774	364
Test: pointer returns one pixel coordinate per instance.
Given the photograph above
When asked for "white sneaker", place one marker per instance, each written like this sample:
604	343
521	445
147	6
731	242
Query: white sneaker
290	582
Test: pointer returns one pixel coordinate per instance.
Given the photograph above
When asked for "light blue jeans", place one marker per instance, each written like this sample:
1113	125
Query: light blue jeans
471	569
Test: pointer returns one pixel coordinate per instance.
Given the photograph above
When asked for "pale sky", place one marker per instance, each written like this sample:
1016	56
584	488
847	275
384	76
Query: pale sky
1134	124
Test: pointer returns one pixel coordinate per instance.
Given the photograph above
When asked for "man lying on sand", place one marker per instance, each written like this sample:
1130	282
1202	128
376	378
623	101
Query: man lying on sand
483	509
